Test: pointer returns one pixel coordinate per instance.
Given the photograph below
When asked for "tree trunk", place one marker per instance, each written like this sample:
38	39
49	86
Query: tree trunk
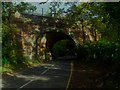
95	35
83	33
118	31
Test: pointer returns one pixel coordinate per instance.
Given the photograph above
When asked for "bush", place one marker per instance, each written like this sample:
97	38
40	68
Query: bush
11	46
104	52
101	51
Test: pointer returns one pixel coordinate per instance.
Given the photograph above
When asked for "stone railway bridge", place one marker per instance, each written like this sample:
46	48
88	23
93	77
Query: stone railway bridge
38	34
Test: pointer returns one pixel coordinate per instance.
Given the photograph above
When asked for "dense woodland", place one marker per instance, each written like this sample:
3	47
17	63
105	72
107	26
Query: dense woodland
94	25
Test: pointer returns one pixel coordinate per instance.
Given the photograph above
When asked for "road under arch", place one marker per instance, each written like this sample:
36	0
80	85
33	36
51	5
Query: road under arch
52	37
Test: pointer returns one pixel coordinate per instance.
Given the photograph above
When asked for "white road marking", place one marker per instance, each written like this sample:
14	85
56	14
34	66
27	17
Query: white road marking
32	80
24	85
45	71
70	75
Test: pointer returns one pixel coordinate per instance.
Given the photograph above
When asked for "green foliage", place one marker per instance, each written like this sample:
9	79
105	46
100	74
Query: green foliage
103	17
9	9
101	51
106	53
25	7
62	48
11	46
113	9
12	52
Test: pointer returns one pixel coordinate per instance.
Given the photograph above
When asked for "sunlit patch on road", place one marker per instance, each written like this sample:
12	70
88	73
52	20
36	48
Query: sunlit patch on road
33	77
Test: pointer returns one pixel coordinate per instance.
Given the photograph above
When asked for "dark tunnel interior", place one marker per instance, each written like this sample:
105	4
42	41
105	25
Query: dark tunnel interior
59	44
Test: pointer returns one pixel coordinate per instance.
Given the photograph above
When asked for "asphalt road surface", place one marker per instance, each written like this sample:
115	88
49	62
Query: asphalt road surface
54	74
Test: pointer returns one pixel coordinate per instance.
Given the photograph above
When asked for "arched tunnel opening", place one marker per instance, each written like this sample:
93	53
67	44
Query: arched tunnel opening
58	44
63	49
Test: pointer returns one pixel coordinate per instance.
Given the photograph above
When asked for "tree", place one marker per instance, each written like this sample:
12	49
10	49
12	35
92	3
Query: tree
99	16
9	9
113	10
11	40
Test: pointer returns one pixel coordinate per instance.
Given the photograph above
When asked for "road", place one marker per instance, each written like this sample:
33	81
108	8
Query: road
54	74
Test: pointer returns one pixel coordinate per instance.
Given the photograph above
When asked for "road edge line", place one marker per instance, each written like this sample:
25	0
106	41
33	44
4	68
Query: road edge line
70	75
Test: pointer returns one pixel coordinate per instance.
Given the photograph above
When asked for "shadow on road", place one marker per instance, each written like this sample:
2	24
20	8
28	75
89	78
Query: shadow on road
53	74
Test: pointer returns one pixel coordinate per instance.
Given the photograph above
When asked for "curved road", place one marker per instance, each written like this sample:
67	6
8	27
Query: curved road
54	74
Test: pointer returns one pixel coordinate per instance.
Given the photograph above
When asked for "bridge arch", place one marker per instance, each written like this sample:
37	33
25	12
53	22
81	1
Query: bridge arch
50	38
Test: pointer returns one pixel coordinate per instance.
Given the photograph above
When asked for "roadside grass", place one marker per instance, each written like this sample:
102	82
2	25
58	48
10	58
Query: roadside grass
12	69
